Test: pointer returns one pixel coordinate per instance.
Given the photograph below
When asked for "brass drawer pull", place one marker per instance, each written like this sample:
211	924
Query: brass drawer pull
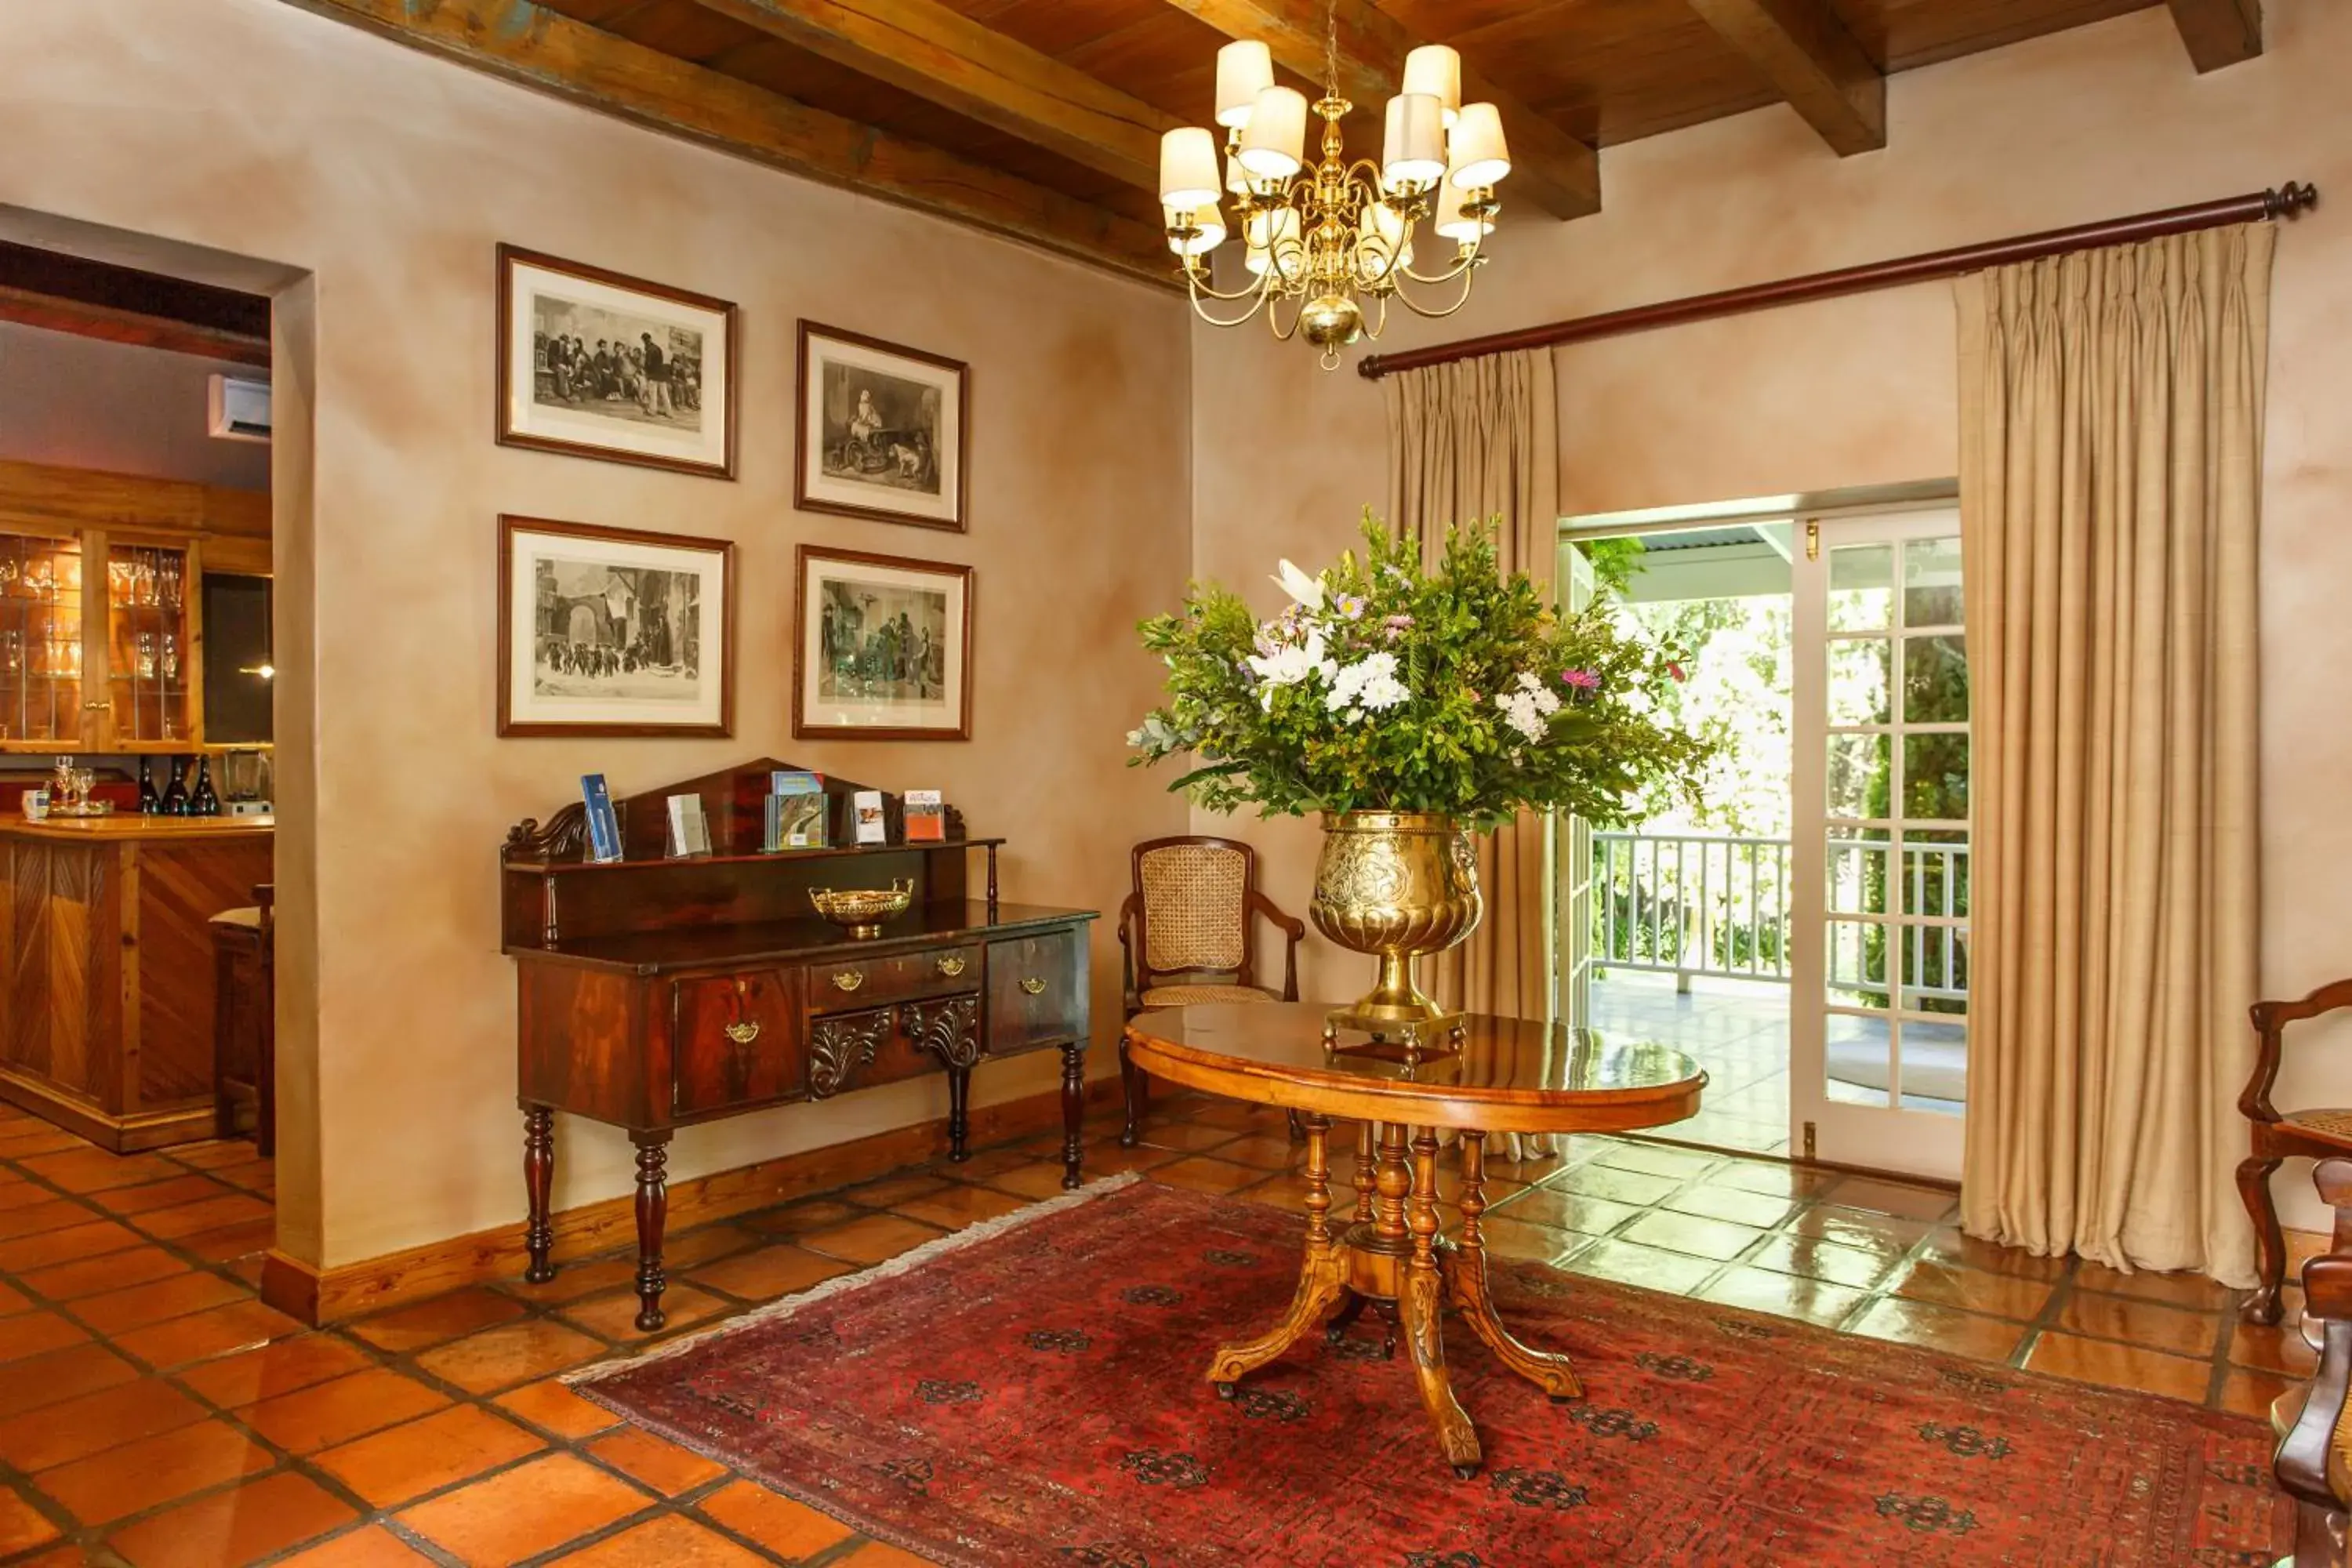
951	965
745	1033
848	980
1032	985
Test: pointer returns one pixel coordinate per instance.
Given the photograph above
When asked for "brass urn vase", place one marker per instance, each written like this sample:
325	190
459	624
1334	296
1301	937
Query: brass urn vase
1397	885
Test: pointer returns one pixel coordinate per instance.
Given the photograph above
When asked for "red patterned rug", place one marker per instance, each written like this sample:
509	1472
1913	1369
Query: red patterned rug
1035	1395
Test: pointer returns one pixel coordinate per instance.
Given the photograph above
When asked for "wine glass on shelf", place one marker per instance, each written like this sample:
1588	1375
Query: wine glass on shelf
146	660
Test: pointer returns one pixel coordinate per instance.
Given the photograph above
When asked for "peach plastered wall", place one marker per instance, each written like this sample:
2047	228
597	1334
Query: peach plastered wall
379	181
2093	123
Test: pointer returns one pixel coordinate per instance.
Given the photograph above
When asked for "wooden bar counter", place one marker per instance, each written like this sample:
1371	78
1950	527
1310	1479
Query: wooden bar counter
106	1000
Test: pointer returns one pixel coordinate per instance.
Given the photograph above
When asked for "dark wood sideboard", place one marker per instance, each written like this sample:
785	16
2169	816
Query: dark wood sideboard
657	993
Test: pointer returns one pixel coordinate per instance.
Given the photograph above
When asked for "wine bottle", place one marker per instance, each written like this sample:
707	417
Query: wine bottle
176	794
150	803
203	803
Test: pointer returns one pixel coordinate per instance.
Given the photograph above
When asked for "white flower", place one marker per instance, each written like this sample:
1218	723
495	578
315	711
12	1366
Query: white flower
1546	700
1288	665
1520	712
1369	683
1305	590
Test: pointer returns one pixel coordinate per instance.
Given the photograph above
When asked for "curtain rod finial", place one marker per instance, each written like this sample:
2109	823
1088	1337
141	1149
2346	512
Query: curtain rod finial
2291	198
1369	367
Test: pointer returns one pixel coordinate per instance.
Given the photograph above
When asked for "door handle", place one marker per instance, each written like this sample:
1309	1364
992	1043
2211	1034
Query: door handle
1032	985
745	1033
848	980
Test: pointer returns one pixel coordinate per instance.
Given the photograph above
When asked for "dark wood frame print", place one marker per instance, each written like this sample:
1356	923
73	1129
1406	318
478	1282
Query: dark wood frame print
616	664
946	449
811	720
547	419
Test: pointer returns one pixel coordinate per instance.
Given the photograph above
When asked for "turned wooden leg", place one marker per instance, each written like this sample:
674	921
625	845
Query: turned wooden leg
1135	1086
538	1181
2269	1242
1423	1307
1320	1278
959	1112
1367	1171
1074	1111
1466	1287
653	1211
1344	1318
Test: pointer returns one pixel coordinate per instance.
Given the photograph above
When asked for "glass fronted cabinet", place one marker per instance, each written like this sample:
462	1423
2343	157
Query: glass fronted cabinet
42	653
150	626
101	638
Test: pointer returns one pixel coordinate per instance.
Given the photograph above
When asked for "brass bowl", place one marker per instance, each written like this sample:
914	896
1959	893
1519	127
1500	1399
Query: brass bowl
863	910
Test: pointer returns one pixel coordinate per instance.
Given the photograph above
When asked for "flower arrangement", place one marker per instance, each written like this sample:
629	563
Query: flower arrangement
1384	687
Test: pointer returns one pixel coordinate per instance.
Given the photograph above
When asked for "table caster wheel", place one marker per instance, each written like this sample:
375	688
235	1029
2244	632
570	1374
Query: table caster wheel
1224	1390
1467	1472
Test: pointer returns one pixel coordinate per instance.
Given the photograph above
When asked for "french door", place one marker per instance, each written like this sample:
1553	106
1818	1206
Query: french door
1878	1005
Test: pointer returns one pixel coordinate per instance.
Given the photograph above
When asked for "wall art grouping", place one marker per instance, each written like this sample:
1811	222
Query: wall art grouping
619	631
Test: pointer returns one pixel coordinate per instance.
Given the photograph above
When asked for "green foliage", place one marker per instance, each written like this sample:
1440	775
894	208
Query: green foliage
1614	563
1386	687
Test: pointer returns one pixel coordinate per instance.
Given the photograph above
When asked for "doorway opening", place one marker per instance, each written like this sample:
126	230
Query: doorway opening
1799	929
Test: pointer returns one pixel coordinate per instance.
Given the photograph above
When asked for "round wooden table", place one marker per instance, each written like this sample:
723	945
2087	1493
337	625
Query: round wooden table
1488	1075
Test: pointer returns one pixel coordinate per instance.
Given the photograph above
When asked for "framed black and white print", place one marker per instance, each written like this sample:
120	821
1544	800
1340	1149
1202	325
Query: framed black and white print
884	649
882	430
614	631
597	364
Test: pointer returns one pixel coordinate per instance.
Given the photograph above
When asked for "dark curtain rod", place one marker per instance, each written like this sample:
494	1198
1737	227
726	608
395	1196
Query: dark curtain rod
2285	202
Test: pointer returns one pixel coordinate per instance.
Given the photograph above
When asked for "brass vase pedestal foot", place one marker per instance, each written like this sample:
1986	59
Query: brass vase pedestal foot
1392	1259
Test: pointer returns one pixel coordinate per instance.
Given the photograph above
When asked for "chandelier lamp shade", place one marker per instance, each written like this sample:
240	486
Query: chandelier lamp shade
1326	245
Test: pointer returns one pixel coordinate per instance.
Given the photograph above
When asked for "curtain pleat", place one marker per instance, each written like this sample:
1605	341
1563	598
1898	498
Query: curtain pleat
1472	442
2111	438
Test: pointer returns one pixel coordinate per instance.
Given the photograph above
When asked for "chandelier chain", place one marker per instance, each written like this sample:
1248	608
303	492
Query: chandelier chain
1331	47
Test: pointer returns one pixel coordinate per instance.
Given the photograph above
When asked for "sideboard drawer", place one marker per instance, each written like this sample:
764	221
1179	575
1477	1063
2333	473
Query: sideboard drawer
854	984
1036	991
735	1040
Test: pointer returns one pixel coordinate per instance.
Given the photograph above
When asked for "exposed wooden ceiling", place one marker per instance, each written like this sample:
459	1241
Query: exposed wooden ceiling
1041	118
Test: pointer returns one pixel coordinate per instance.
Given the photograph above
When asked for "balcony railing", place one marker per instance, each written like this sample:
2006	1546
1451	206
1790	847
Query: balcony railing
1694	903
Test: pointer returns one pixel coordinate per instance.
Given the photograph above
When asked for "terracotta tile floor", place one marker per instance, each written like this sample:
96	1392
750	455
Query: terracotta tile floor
153	1413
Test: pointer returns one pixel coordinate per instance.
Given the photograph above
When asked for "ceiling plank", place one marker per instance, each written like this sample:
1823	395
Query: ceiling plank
527	43
1807	55
2218	32
925	49
1550	168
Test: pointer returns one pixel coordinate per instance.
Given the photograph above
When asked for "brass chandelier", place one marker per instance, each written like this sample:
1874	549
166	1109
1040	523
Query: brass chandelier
1327	246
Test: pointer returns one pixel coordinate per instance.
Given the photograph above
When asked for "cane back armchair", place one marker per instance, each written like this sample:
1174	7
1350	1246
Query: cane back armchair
1188	933
2276	1136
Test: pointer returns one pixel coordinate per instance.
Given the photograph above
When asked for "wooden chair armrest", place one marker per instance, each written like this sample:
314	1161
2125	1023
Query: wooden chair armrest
2270	1020
1293	932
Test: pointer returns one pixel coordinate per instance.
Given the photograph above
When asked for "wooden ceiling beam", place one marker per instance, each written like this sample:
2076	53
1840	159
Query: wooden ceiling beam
923	48
527	43
1810	58
2218	32
1550	168
83	318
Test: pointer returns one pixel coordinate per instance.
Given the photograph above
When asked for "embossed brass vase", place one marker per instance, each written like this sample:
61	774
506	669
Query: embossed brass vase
1397	885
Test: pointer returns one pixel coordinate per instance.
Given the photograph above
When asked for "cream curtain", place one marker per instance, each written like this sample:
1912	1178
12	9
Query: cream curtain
2110	409
1471	441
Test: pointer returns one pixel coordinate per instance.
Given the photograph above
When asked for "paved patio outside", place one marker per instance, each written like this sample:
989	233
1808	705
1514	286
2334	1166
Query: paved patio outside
1739	1031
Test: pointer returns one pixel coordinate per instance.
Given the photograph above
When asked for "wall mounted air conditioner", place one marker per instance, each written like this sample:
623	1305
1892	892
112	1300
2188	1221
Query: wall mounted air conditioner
239	409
